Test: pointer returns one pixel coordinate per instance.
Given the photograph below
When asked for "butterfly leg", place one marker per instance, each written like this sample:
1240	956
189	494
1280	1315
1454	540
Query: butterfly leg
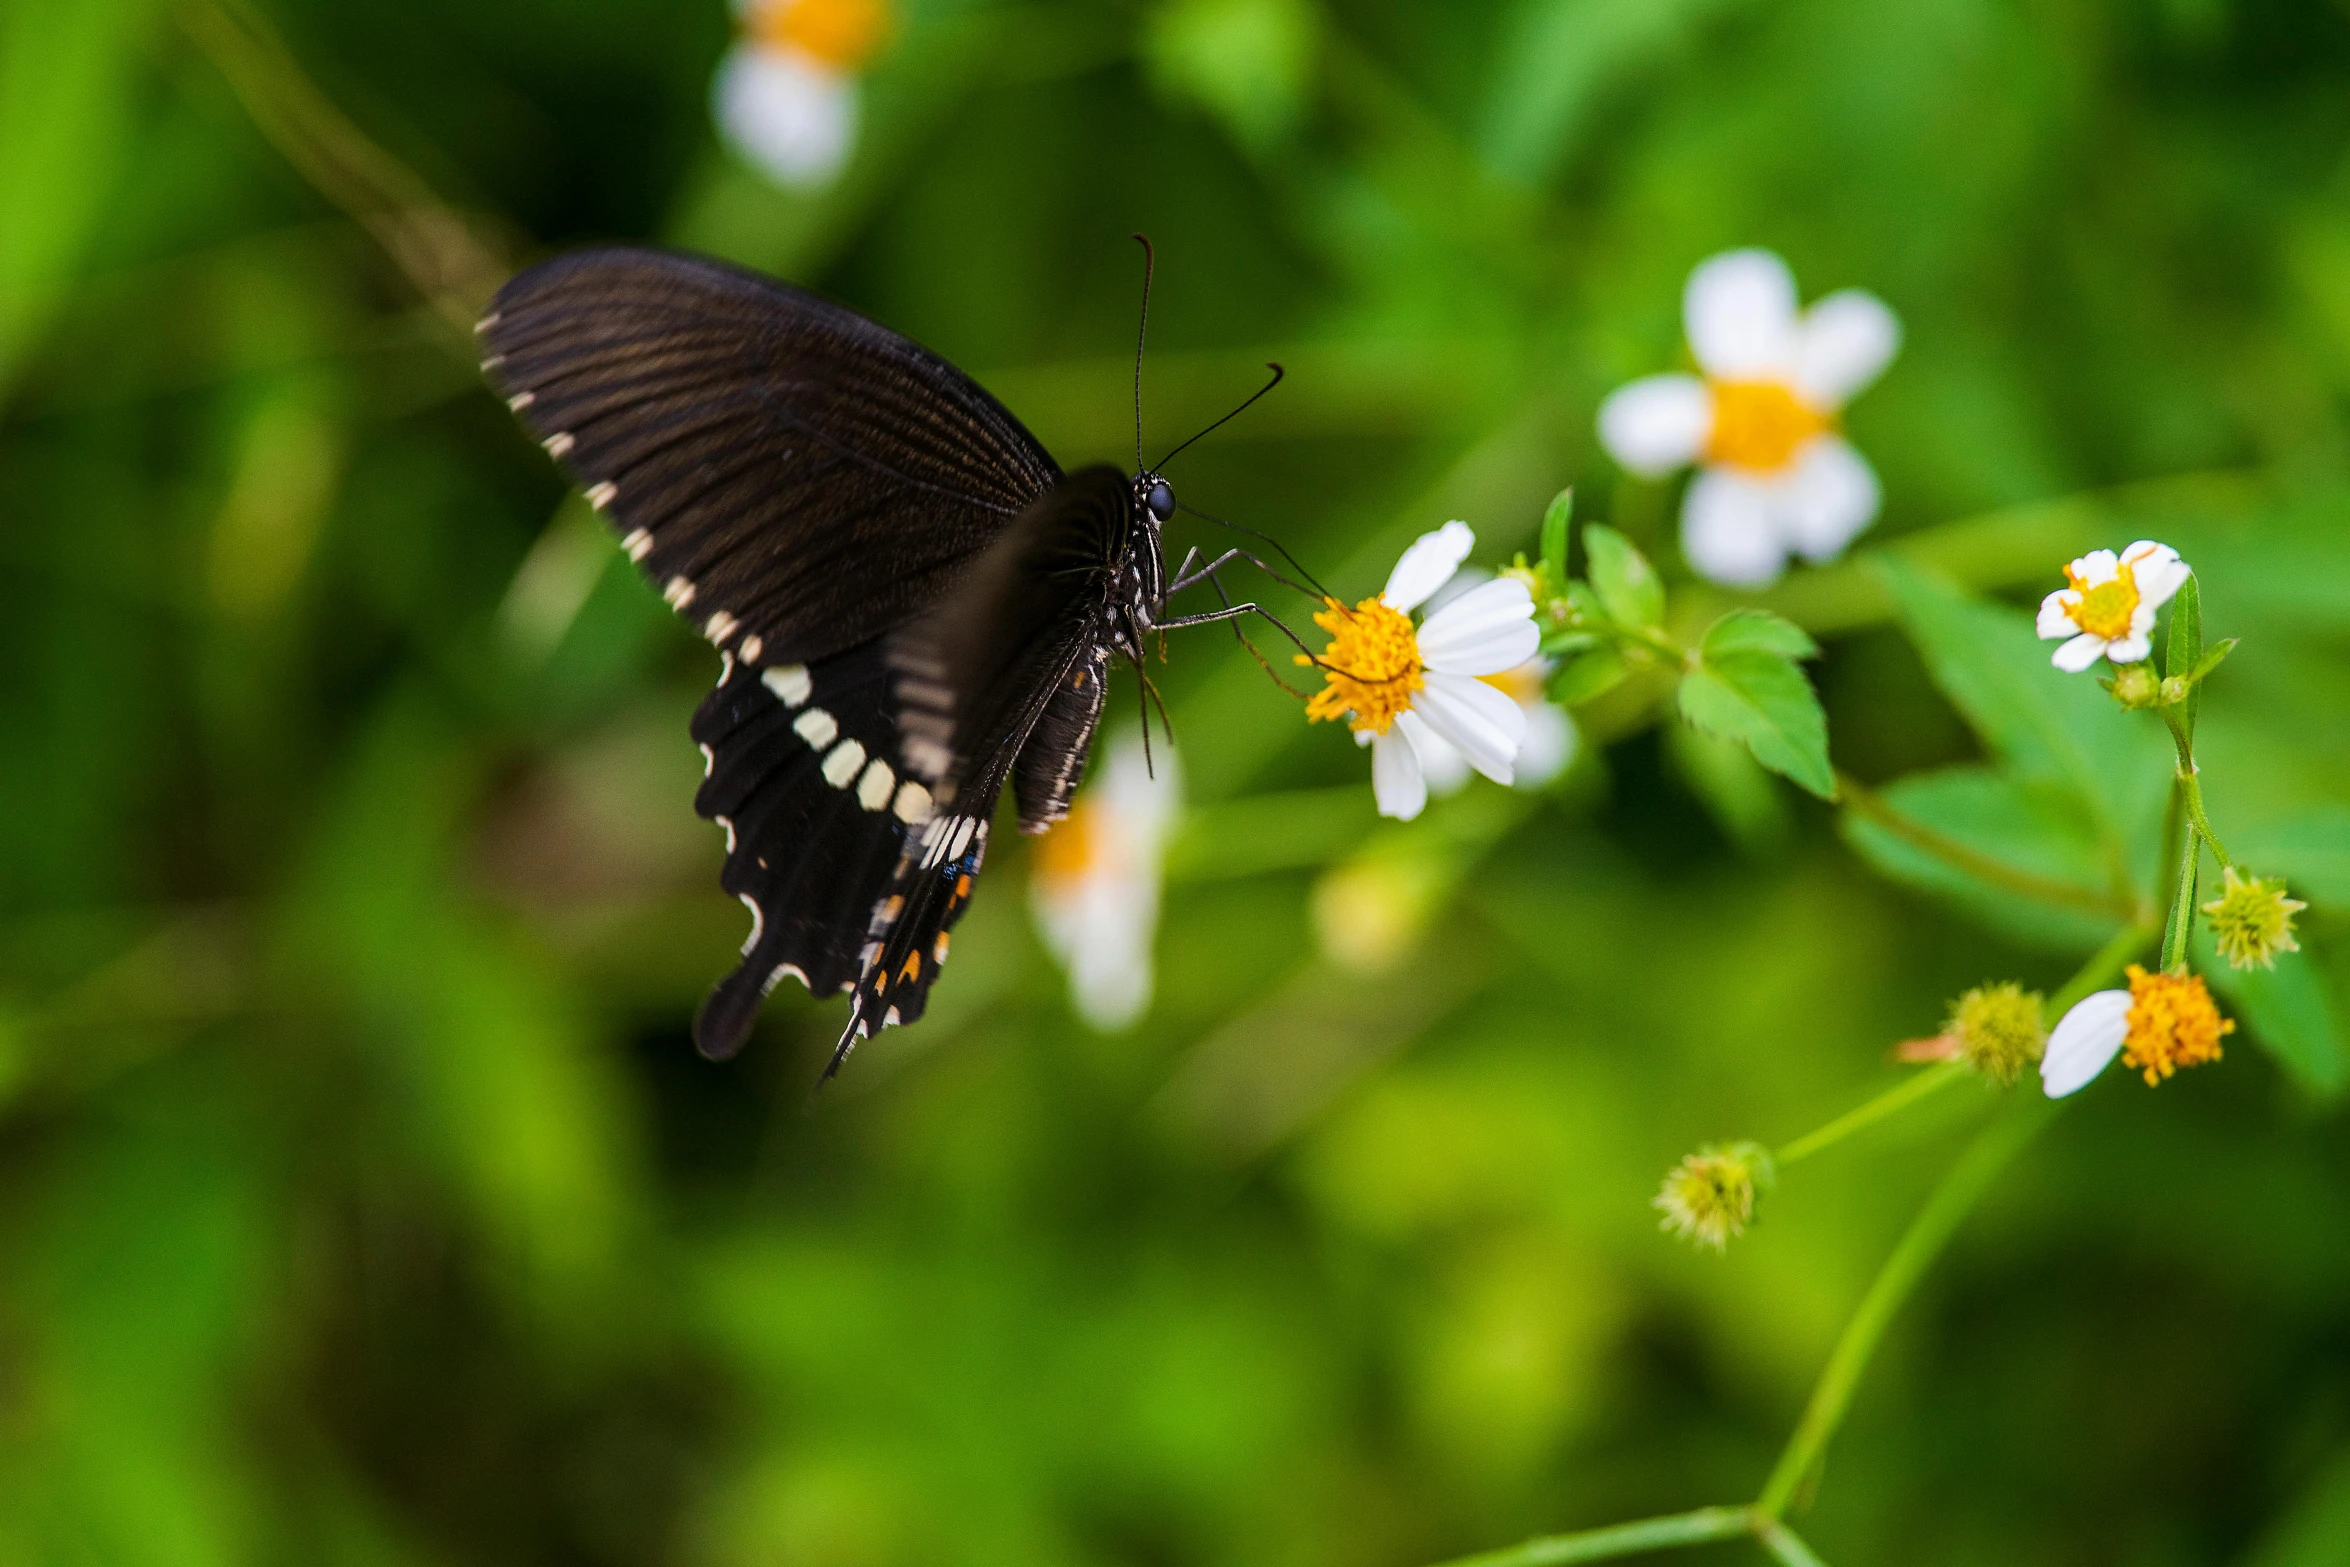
1185	577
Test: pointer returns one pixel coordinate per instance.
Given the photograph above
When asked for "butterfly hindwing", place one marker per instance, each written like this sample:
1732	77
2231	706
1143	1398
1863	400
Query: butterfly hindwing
817	817
796	479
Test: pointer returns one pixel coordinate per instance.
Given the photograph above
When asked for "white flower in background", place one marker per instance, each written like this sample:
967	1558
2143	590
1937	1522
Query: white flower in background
1776	475
1095	884
2109	610
1406	690
786	94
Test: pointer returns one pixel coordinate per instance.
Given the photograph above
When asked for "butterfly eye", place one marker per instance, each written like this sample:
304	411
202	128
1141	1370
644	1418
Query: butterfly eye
1161	500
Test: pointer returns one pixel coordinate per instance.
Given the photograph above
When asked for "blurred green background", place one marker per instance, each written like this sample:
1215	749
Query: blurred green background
361	1197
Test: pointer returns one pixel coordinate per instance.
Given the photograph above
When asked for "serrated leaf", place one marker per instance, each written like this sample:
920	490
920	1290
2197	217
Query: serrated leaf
2284	1009
1589	674
2049	728
1628	586
2185	651
2044	834
1758	631
1765	701
1554	533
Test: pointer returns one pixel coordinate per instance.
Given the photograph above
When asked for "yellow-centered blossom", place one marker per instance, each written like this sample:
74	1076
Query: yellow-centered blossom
2162	1023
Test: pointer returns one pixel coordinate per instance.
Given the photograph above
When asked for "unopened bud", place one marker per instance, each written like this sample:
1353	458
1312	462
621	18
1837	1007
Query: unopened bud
2136	685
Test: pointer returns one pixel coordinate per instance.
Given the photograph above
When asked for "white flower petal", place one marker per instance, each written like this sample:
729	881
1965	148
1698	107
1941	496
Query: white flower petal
1657	424
2084	1041
1483	632
1831	495
1395	777
1441	762
2056	613
2079	653
1550	744
2158	572
1730	529
1844	342
1424	568
1739	310
2097	566
1482	722
2130	649
786	112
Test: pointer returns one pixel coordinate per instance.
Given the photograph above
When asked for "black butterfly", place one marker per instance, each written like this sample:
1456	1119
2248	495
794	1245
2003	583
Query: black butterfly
915	604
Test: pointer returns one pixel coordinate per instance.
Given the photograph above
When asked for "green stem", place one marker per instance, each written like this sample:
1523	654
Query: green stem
1781	1542
1699	1527
1916	1250
2182	906
2042	889
1898	1097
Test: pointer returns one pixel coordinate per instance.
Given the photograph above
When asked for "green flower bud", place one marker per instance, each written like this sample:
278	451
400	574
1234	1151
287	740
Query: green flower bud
1999	1030
2136	685
1708	1198
2252	920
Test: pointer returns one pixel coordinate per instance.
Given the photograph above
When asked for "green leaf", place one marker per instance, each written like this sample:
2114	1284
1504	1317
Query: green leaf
2186	642
1249	63
1736	792
1554	533
2311	850
1588	675
2284	1009
2040	833
1627	585
1758	631
2051	729
1765	701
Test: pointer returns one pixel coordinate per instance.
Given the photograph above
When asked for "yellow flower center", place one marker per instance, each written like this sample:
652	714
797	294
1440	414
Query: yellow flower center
841	33
2172	1024
1073	849
1372	667
1760	425
2106	609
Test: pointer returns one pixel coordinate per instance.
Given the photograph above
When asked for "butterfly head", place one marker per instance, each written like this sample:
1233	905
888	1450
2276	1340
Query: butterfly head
1154	495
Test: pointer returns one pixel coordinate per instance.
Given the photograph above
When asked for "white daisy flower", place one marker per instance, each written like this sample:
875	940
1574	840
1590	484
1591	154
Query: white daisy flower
2109	610
1549	745
786	94
1407	690
1095	883
1776	475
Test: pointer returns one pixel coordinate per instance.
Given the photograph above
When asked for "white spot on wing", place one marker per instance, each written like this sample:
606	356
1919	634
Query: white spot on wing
559	444
600	495
486	322
679	593
639	544
817	727
913	804
843	764
752	648
758	922
790	682
873	790
794	970
726	822
521	400
709	761
721	626
889	1019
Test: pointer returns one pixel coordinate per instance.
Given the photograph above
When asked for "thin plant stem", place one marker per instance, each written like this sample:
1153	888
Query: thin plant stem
1919	1245
1698	1527
2191	785
1898	1097
2182	908
1781	1542
2041	889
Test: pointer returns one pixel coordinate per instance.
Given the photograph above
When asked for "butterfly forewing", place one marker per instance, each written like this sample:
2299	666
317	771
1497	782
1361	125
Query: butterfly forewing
795	479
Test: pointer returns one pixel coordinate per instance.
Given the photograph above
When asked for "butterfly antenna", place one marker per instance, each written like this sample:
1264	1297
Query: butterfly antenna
1278	373
1150	264
1312	586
